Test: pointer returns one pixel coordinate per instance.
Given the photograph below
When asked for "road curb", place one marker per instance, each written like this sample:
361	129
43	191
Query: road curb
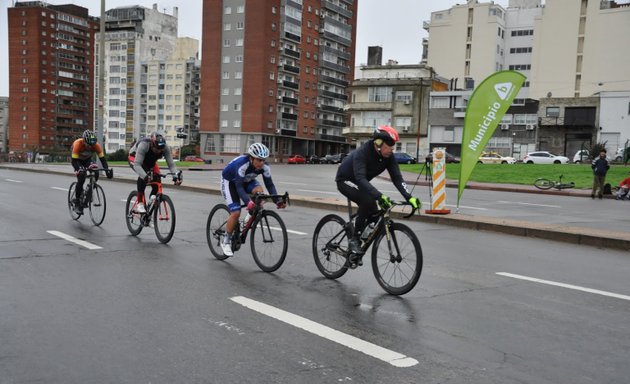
568	234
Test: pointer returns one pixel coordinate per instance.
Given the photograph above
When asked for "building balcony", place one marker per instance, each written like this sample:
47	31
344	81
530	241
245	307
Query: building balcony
332	123
335	8
289	100
289	116
335	95
291	68
290	84
333	80
358	131
386	106
460	112
335	67
292	53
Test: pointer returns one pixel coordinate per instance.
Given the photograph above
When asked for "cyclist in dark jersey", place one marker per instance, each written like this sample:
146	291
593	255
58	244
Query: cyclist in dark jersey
361	166
238	182
143	157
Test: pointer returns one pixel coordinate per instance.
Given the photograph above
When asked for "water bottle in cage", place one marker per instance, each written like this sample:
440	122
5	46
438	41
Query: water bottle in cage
367	231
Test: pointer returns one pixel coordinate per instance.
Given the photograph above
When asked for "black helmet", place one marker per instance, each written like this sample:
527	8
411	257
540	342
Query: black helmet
158	140
89	137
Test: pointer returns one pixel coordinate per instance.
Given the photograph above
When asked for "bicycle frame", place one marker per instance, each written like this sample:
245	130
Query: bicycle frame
240	234
383	223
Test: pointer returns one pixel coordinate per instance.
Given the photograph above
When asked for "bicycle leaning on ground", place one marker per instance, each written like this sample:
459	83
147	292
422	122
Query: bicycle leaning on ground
396	250
544	184
268	240
93	197
160	209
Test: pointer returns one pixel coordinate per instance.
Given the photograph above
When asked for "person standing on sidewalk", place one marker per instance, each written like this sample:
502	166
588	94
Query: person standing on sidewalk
600	167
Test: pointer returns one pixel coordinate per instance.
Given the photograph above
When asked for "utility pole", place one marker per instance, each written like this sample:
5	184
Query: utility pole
100	132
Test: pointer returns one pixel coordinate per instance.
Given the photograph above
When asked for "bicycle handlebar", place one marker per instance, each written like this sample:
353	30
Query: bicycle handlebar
395	203
259	197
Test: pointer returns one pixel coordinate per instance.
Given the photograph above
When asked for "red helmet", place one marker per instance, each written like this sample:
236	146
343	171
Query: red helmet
387	134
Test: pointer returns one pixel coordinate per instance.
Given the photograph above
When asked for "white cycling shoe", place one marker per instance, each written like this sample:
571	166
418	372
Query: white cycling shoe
140	208
227	249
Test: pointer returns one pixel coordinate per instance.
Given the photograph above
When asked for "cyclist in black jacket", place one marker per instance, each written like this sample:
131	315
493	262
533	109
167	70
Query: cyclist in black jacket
361	166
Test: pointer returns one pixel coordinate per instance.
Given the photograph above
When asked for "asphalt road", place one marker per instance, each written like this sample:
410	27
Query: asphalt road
489	308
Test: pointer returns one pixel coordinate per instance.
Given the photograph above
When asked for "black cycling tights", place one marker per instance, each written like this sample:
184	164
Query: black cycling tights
367	205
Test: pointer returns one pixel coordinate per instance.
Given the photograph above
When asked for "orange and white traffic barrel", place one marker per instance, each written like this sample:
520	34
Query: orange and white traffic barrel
438	188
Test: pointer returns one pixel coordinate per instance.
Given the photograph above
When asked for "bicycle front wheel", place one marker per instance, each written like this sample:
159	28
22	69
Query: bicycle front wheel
71	194
98	205
330	246
269	241
397	261
543	184
132	218
164	219
215	229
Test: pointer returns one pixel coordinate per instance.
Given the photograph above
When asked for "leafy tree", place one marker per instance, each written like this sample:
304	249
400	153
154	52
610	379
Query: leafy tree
119	155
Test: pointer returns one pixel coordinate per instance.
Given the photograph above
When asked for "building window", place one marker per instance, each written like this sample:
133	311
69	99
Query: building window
228	10
227	27
553	112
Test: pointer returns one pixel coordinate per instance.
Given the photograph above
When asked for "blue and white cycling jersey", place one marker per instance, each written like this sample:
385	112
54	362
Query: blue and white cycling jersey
241	174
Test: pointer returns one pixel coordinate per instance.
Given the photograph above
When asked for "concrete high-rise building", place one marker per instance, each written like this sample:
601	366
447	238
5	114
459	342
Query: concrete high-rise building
168	93
50	76
276	72
133	35
566	48
581	48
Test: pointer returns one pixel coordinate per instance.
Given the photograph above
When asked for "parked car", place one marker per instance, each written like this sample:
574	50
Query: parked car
314	159
449	158
296	159
619	155
544	157
581	156
495	158
195	159
404	158
334	159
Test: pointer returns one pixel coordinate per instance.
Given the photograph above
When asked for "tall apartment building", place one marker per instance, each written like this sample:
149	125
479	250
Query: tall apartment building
276	71
569	48
581	48
50	76
132	35
169	94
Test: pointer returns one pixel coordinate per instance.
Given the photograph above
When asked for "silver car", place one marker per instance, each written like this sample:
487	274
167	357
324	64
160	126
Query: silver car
544	157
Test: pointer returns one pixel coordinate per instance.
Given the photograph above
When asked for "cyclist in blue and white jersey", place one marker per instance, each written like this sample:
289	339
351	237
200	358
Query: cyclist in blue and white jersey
238	182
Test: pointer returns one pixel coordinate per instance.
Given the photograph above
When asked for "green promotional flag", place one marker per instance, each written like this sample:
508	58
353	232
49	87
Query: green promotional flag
486	107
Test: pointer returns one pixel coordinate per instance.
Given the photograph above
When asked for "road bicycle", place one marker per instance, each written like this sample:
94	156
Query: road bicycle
268	239
93	197
396	251
160	208
544	184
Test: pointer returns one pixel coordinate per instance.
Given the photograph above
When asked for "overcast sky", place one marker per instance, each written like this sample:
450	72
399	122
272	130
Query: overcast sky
395	25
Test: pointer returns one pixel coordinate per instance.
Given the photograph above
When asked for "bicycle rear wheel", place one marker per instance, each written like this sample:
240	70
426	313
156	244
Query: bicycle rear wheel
543	184
330	246
269	241
97	205
215	229
164	218
132	218
397	262
71	196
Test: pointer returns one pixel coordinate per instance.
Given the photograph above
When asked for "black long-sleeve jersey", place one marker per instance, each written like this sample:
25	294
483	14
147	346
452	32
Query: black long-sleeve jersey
364	164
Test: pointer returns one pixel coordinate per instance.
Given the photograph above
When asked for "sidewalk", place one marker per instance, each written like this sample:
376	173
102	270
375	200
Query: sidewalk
602	238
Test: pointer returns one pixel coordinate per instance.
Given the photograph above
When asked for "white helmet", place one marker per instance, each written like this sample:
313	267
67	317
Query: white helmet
259	151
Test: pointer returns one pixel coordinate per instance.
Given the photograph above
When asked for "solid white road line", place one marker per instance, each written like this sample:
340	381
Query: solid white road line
74	240
394	358
563	285
13	181
289	231
528	204
60	189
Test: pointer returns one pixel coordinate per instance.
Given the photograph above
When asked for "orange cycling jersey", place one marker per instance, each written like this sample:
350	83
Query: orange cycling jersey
82	151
